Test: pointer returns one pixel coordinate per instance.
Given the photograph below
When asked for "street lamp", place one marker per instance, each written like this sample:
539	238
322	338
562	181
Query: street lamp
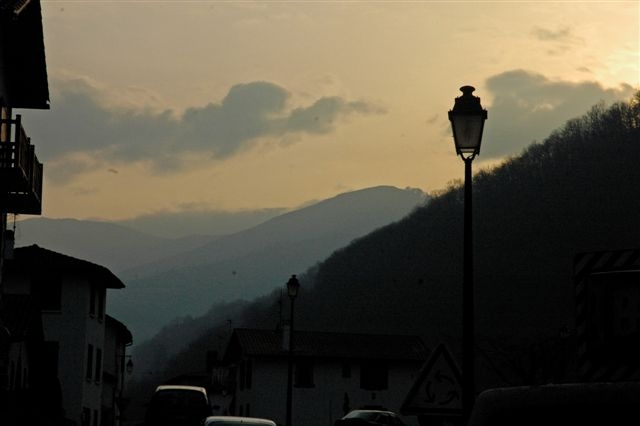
292	290
129	367
467	122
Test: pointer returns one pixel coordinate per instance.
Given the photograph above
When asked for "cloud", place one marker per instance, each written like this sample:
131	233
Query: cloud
527	107
319	117
79	124
543	34
559	40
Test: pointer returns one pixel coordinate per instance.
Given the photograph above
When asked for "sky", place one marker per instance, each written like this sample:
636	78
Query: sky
193	106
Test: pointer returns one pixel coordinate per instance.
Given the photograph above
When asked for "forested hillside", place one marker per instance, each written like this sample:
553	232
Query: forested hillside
576	191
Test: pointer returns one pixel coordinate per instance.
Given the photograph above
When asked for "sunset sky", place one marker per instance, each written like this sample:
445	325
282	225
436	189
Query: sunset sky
178	106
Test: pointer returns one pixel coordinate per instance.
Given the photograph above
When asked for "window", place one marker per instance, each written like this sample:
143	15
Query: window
95	417
98	375
346	370
248	371
89	362
18	379
101	295
92	300
48	290
12	376
49	358
304	373
86	416
245	373
374	375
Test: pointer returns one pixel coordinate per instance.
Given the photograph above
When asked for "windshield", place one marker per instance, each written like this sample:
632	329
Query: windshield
178	398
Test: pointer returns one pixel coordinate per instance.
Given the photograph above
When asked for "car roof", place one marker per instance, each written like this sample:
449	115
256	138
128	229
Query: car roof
212	420
613	398
181	387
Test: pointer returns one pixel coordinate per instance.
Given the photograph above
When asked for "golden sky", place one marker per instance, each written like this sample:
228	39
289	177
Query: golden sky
184	105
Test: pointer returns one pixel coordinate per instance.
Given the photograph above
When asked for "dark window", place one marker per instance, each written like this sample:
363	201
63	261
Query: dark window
346	370
89	362
86	416
98	365
101	294
95	417
18	382
248	374
48	290
12	376
241	375
92	300
49	358
304	373
374	376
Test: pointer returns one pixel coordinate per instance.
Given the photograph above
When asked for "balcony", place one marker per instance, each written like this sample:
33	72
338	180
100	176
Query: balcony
20	170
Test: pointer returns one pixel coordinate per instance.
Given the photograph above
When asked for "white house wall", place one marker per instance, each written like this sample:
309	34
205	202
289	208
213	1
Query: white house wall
75	329
322	404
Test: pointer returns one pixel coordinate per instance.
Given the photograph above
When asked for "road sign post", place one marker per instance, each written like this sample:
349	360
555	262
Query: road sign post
436	395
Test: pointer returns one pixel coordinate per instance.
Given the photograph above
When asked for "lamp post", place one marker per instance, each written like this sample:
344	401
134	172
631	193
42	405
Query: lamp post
467	122
292	290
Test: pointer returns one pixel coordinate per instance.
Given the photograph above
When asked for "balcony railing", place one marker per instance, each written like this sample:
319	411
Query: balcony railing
20	170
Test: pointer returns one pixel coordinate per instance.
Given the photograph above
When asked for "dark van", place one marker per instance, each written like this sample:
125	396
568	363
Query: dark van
579	404
177	405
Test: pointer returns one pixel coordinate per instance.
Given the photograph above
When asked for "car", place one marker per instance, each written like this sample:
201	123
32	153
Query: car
234	421
178	405
584	404
370	417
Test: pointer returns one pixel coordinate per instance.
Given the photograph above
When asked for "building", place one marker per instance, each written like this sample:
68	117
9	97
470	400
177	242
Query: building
23	84
82	347
116	365
333	373
21	340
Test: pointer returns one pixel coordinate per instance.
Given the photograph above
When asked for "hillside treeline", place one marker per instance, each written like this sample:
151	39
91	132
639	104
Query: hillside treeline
576	191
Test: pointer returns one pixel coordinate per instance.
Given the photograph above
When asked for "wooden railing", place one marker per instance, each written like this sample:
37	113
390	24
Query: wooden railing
20	171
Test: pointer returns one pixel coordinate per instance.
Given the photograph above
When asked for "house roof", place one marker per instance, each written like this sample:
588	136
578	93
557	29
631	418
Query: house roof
37	260
122	331
316	344
23	65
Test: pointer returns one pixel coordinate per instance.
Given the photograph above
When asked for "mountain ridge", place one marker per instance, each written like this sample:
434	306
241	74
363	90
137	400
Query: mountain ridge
575	192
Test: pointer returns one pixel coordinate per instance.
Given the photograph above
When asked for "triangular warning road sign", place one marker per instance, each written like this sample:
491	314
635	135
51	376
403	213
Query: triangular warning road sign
438	388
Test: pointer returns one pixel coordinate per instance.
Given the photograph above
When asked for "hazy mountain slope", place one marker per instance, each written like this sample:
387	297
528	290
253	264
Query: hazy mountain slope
578	191
253	262
336	220
113	246
201	222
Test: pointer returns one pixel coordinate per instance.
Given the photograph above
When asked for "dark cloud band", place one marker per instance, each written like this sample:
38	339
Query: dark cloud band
78	123
527	107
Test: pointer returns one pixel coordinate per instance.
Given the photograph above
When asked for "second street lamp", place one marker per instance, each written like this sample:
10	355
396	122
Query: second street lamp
293	285
467	122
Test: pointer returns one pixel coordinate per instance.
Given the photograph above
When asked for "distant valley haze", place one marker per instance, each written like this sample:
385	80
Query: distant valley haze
167	278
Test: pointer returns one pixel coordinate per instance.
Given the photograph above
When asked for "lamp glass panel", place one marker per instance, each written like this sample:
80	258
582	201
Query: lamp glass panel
292	287
467	131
